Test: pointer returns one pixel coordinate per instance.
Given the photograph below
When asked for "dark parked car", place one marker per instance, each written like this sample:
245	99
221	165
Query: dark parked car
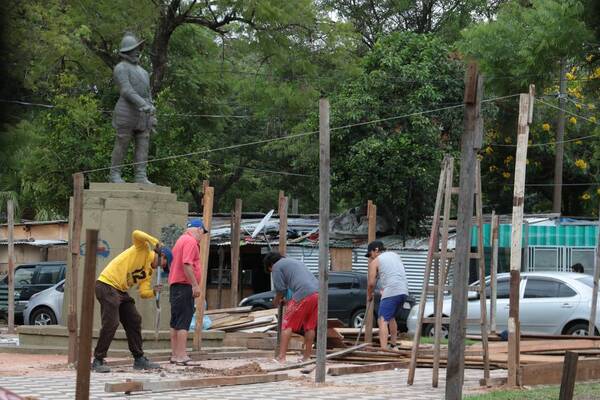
30	279
347	296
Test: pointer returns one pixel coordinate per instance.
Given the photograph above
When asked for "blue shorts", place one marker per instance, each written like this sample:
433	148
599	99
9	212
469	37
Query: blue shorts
388	307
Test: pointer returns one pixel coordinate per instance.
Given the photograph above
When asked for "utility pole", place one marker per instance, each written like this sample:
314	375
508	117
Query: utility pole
560	137
324	187
236	223
10	211
470	143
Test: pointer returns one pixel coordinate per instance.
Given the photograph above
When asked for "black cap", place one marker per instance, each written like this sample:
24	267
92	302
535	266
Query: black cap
375	244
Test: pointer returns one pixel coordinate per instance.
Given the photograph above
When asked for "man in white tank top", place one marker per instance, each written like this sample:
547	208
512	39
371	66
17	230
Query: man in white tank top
388	267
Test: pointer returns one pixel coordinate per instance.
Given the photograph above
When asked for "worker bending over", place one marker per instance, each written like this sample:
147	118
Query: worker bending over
134	266
301	310
388	267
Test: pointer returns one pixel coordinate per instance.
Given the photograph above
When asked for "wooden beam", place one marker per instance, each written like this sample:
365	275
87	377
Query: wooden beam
567	385
361	369
211	381
591	327
371	235
10	211
72	282
493	271
204	254
283	211
324	188
550	373
236	223
514	326
470	143
87	316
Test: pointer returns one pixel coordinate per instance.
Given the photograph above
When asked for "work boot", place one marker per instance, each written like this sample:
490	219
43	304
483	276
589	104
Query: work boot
141	177
115	176
98	365
143	363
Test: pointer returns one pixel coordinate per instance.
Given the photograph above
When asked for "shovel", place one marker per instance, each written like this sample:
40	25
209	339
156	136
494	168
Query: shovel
157	318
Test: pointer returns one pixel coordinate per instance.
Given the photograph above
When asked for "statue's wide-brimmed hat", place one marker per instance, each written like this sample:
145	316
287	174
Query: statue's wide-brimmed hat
130	42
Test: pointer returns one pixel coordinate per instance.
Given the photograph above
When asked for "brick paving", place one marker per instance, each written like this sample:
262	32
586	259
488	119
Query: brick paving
371	386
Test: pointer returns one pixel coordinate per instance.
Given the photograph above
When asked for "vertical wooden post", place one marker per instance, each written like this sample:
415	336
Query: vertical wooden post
207	202
87	316
569	374
493	271
236	223
371	235
514	328
470	142
324	187
525	246
560	137
220	277
72	282
283	211
591	327
10	211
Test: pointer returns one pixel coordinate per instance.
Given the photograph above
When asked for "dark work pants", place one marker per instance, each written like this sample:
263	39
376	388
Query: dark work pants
115	307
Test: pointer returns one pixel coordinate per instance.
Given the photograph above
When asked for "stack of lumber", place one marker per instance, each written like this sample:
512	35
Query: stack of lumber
242	319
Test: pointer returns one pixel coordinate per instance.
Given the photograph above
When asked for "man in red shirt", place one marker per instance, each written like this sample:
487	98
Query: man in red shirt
184	283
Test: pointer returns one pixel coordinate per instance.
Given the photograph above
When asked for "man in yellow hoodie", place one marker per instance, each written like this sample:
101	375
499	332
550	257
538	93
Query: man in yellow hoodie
134	266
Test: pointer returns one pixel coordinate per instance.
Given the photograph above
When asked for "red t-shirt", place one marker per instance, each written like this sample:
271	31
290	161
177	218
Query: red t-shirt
185	251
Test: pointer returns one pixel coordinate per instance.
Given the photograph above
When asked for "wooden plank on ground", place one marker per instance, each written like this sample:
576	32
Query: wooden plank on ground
156	386
361	369
328	357
229	310
551	373
224	355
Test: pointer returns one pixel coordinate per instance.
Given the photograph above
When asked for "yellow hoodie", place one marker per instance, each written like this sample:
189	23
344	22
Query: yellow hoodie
133	266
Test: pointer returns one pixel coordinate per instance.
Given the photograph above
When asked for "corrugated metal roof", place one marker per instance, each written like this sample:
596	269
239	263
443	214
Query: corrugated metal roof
414	263
571	234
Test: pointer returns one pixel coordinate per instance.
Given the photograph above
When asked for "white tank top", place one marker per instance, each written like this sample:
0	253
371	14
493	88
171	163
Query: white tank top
392	275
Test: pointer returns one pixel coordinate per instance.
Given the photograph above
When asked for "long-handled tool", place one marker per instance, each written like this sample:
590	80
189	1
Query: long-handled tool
367	311
279	321
310	369
157	318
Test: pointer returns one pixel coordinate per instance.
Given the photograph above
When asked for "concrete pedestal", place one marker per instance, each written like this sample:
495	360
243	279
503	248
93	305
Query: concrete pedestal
116	210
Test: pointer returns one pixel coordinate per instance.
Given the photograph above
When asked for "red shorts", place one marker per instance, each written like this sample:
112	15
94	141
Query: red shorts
301	315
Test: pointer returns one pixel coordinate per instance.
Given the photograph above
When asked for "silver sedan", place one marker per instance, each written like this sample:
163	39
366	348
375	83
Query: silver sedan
45	307
555	303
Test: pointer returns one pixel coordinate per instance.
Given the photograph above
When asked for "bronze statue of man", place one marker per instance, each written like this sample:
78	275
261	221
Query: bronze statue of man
134	114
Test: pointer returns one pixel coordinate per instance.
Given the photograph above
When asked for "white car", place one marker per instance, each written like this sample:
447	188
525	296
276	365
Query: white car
45	307
555	303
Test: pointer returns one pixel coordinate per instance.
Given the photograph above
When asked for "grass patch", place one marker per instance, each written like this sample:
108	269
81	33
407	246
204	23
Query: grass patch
583	391
430	340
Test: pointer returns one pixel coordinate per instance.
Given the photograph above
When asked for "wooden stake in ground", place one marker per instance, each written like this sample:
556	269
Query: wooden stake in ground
10	211
236	222
324	187
87	316
514	330
371	234
72	282
282	211
493	271
470	143
591	327
204	253
567	384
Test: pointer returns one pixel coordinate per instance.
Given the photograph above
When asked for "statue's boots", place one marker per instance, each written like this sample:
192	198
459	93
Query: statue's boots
142	144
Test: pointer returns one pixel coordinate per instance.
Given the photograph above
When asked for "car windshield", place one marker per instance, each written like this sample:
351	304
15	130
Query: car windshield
587	280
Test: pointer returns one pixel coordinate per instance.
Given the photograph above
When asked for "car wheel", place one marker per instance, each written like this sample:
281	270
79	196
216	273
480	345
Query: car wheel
42	316
579	329
357	319
429	331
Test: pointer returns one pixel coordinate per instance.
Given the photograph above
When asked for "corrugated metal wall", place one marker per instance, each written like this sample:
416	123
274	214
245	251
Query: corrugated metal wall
414	263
